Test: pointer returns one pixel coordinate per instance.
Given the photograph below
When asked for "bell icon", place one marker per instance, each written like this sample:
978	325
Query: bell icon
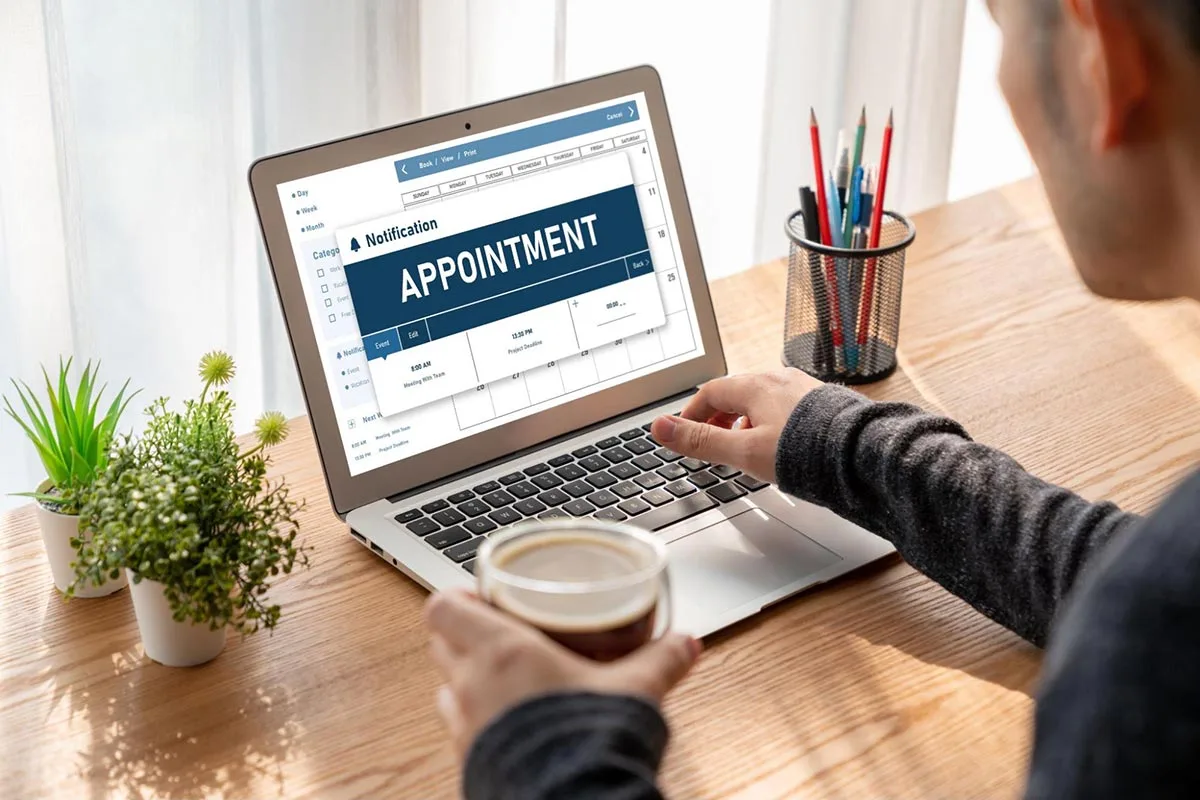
354	248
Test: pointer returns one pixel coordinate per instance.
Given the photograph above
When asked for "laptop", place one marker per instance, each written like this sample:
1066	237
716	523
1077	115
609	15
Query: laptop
487	309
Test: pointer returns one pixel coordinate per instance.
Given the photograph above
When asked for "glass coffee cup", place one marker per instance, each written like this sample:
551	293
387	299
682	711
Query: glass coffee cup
597	588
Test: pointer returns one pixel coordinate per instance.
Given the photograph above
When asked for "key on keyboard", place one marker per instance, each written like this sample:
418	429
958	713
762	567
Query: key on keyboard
547	481
647	462
498	499
522	490
680	488
449	517
578	488
579	508
635	506
423	526
473	508
459	497
639	446
658	497
685	508
626	489
408	516
554	497
570	472
612	514
649	480
727	492
600	479
751	483
530	507
602	498
479	525
447	537
464	551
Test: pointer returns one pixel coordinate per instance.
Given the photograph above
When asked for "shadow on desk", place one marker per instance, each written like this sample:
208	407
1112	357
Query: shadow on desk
236	748
832	718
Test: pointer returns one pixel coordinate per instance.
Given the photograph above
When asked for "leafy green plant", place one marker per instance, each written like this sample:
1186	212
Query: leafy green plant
186	506
71	441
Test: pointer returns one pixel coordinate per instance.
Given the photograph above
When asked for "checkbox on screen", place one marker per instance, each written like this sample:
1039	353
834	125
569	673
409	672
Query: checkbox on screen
333	318
320	273
328	302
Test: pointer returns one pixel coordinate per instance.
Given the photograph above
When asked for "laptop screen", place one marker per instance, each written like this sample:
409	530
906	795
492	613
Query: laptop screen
462	286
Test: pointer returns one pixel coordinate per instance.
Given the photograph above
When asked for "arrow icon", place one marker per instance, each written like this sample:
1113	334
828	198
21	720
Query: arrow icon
632	112
404	168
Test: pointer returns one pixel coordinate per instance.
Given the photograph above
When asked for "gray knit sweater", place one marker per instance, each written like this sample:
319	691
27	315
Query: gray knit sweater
1118	710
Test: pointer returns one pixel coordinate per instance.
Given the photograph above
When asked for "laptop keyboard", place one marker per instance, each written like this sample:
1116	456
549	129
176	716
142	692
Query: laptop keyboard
625	477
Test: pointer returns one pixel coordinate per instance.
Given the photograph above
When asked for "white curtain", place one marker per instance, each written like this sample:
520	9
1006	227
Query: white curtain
127	233
126	228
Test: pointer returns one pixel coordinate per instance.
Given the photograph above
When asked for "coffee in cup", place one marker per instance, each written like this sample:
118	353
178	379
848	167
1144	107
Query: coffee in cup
598	589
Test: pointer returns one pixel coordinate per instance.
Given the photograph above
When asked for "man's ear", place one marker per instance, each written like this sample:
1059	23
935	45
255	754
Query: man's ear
1114	66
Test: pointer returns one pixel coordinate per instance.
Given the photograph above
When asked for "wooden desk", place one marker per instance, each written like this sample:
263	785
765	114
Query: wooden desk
879	685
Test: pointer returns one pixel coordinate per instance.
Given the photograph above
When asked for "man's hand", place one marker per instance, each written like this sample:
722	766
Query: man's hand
737	421
493	662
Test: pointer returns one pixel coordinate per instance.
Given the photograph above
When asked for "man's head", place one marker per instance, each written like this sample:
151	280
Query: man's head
1107	96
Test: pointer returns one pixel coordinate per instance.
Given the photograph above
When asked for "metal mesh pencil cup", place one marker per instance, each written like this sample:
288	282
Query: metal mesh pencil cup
842	322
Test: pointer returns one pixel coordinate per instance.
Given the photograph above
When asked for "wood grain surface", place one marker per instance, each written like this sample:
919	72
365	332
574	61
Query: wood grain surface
880	685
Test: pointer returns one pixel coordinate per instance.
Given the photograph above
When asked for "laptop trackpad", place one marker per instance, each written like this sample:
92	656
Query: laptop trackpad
735	562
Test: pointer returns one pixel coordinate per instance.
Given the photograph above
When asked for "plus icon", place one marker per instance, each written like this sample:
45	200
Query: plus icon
575	303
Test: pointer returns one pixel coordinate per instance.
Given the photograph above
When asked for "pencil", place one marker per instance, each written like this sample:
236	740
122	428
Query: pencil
835	315
876	231
848	228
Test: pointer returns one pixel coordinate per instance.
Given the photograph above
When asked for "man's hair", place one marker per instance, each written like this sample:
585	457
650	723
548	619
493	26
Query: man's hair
1181	15
1184	16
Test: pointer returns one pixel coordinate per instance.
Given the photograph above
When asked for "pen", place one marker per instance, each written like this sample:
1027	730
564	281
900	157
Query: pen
835	316
855	166
842	179
867	207
853	210
876	228
822	343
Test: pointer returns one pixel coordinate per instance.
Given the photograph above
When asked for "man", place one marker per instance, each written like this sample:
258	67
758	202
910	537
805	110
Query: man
1105	93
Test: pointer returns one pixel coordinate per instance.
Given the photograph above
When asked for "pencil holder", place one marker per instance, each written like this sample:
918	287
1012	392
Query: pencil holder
842	322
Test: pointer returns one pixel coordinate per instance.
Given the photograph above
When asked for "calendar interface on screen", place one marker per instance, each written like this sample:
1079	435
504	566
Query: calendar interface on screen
465	285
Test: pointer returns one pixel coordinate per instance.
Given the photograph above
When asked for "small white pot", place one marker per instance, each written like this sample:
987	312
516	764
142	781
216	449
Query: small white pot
57	532
174	644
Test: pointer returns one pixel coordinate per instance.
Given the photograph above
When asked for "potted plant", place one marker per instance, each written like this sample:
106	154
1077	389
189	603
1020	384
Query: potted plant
73	445
193	518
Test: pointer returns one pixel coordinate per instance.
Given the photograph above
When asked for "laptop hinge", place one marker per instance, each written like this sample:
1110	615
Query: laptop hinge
425	487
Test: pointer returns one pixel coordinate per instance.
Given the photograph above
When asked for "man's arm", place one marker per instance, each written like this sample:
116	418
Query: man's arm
1118	712
964	514
569	745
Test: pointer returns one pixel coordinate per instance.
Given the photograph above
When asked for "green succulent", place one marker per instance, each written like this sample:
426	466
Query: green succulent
186	506
71	441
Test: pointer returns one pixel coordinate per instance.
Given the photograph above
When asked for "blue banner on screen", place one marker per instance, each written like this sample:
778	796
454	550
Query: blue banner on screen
504	144
460	282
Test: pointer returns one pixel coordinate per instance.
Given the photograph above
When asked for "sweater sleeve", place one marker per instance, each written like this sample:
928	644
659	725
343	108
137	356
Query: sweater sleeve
968	516
581	746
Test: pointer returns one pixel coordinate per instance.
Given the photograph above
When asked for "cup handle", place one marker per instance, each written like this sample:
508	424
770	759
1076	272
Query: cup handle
664	610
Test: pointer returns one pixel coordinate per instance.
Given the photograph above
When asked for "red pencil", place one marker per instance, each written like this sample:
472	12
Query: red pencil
876	232
835	312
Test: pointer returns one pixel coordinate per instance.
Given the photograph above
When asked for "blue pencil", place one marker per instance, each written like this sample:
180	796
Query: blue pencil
842	266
